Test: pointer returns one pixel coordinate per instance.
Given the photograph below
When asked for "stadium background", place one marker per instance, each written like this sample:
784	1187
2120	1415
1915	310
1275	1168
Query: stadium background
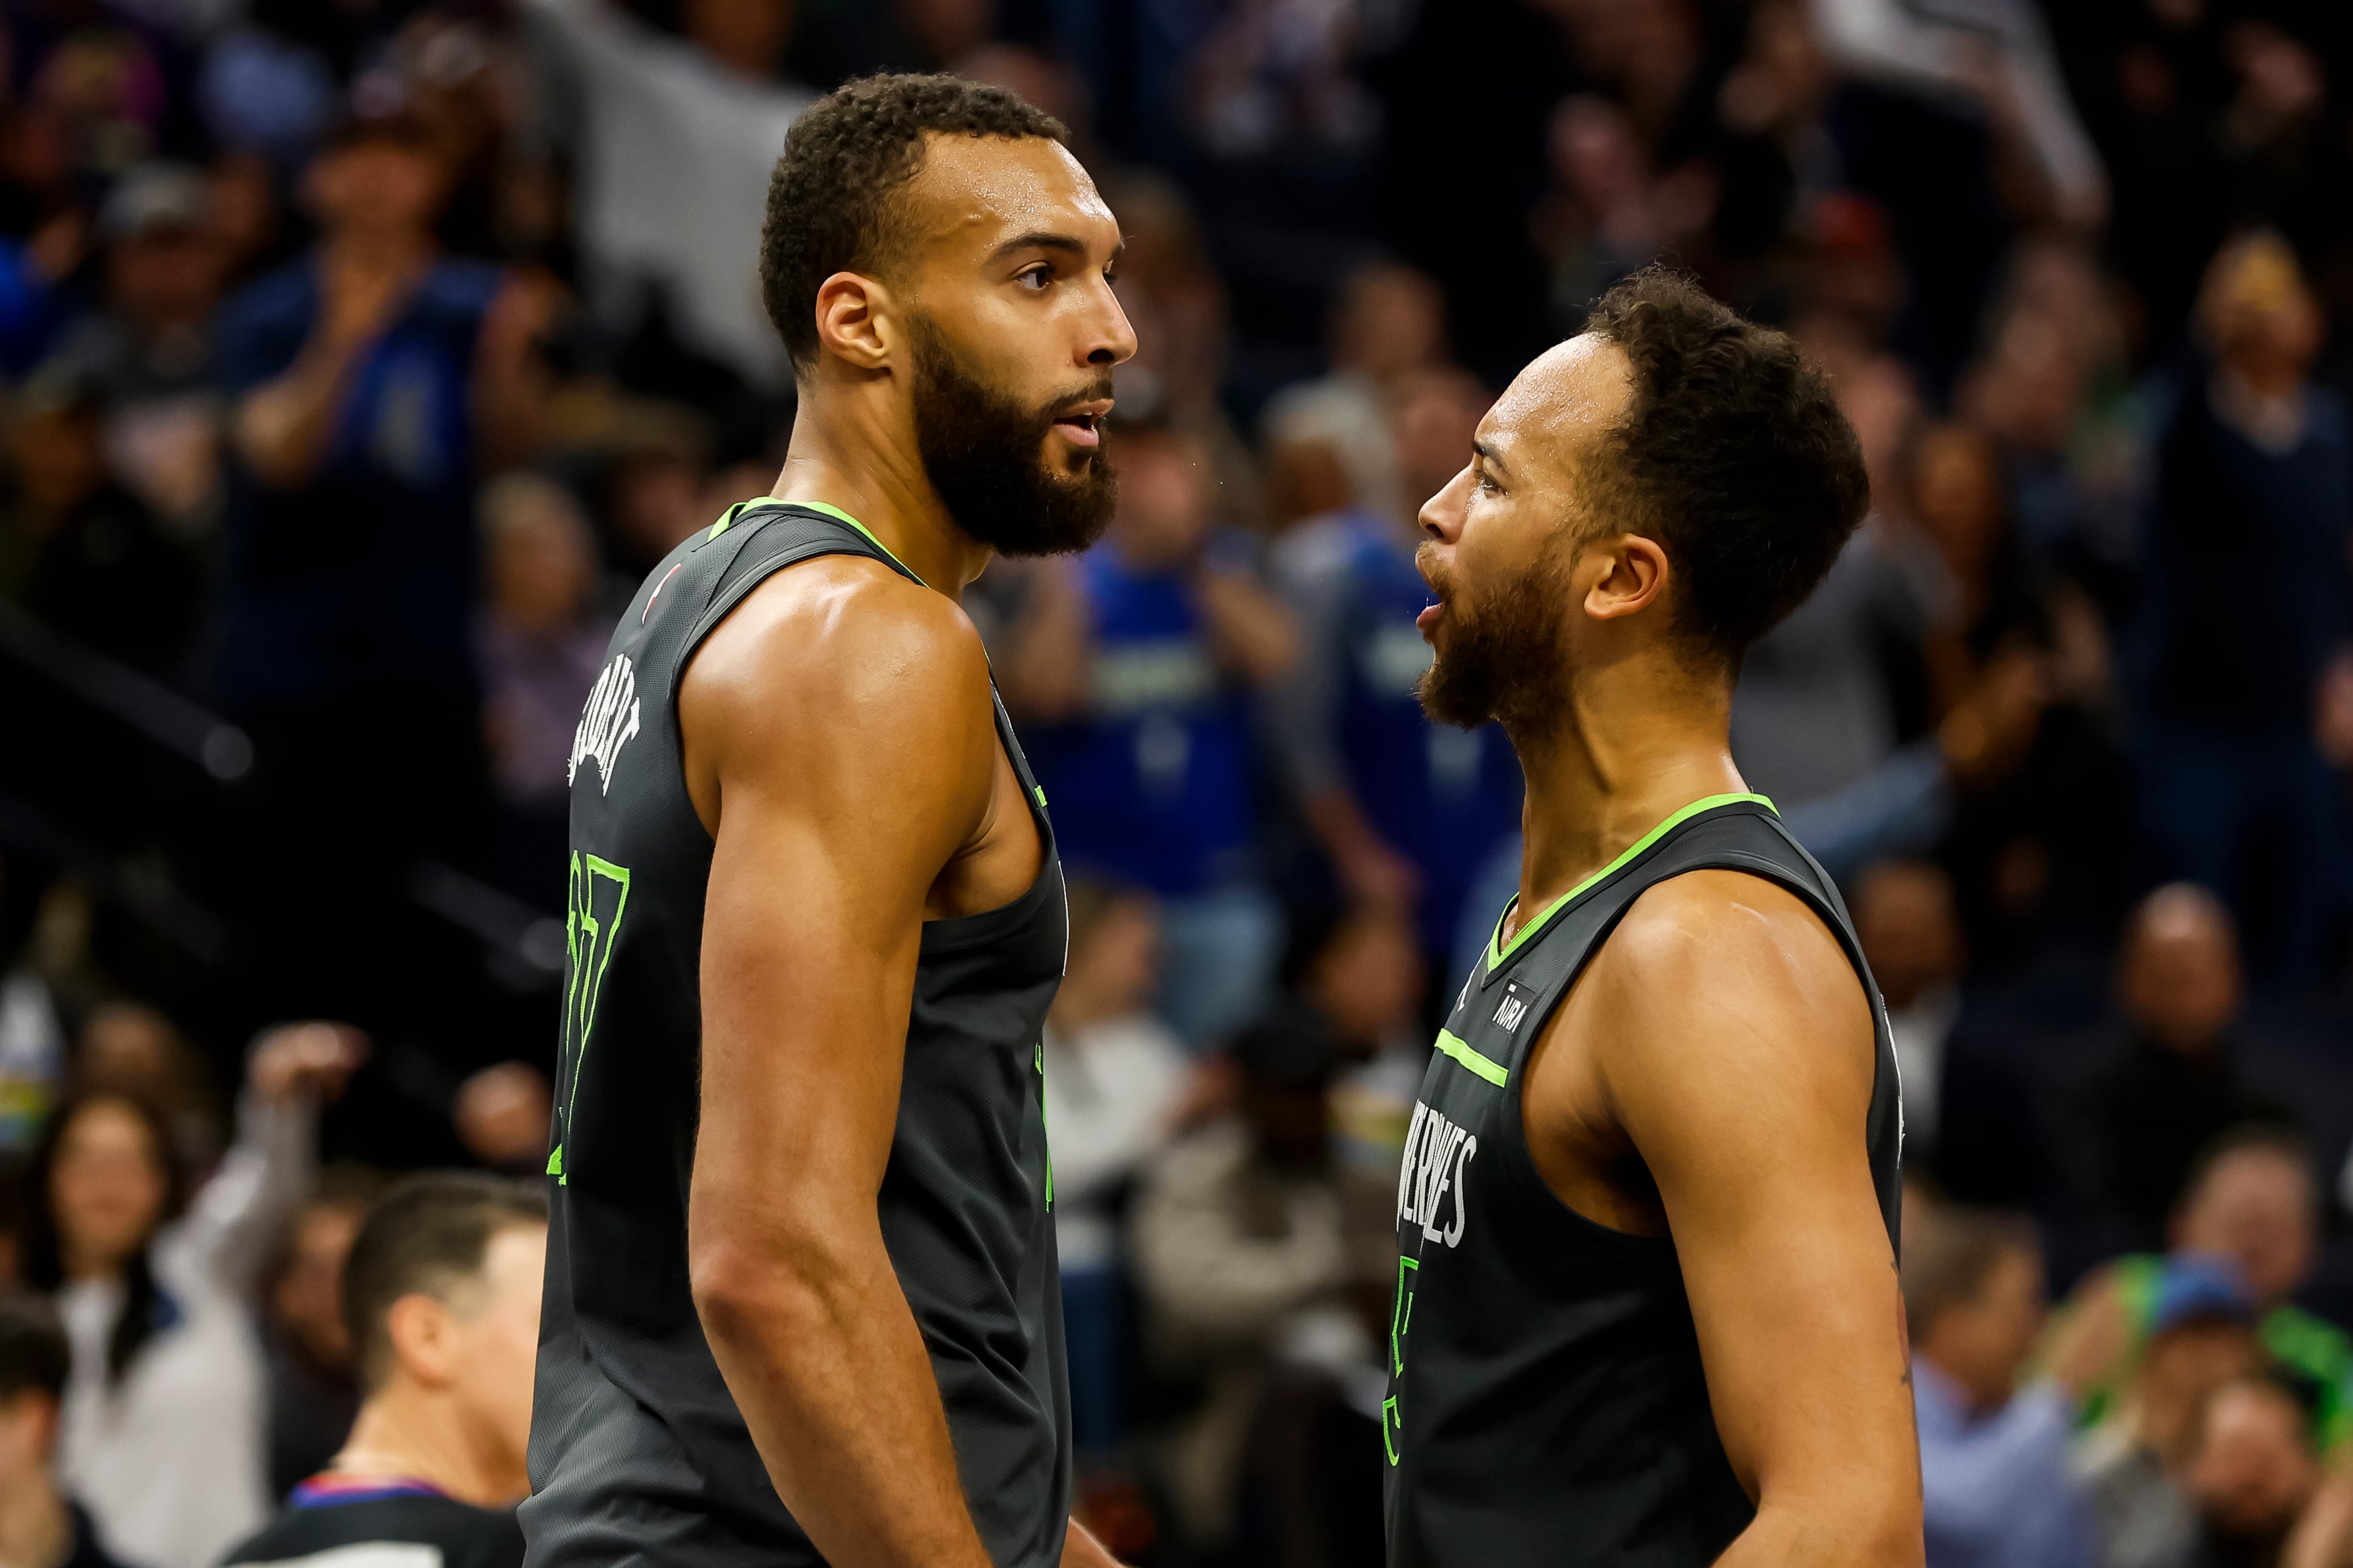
286	737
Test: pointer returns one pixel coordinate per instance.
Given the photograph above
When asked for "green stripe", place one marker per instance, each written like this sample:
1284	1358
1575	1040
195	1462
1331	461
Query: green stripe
1499	949
835	511
1451	1043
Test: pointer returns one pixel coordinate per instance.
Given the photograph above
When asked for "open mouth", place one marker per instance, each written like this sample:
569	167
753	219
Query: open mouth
1082	425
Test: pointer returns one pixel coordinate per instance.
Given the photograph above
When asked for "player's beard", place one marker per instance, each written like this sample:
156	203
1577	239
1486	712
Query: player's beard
1499	653
985	455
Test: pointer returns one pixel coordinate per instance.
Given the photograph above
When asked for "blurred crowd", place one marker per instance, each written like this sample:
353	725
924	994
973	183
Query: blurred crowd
358	356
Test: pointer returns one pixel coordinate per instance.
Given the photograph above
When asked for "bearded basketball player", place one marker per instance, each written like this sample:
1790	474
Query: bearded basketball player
802	1303
1646	1304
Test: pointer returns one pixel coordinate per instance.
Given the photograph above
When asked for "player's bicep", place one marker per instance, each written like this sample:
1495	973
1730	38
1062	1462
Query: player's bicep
845	784
1742	1065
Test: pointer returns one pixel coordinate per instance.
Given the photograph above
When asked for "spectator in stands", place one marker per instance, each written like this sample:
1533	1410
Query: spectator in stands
1912	939
2252	1474
1406	810
1134	667
81	552
2254	462
1993	1457
1388	322
165	1411
149	350
1239	1244
539	644
2253	1199
1117	1079
40	1525
131	1049
364	385
2176	1082
2203	1335
442	1298
312	1392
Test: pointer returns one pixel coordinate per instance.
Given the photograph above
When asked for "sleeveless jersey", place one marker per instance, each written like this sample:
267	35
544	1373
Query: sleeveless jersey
1546	1403
638	1451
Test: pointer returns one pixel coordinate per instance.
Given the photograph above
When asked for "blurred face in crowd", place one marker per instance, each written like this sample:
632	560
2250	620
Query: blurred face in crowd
1115	969
2181	980
2260	315
108	1188
308	1298
657	501
2257	1206
2254	1468
1368	979
1500	544
1391	319
1956	497
543	565
2183	1367
1904	912
129	1049
379	185
1433	422
1980	1344
1163	514
748	35
1014	332
169	278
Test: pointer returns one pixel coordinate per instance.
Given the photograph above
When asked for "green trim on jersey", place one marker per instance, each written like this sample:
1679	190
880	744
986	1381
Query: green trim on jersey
727	522
1499	949
1449	1044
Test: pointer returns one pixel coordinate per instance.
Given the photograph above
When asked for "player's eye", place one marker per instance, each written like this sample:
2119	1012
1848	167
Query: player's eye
1478	479
1035	278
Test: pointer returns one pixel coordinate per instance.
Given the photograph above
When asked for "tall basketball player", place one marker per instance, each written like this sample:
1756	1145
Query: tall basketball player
1646	1305
802	1303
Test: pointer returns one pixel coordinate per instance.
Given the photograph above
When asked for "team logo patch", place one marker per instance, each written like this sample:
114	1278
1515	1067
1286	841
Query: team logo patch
608	723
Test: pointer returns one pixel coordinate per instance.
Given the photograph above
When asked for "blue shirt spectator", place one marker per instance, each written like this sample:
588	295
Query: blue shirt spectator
366	574
1353	737
1133	669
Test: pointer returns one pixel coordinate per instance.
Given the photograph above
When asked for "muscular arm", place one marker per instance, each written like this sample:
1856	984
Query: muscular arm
1733	1055
839	727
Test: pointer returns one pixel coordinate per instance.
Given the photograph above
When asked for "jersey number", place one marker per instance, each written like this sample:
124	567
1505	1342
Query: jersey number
1400	1319
598	898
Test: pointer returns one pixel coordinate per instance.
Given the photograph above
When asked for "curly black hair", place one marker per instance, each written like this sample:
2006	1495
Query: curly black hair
1733	456
831	202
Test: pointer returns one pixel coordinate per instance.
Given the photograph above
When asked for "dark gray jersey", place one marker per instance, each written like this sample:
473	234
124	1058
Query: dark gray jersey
1546	1403
638	1452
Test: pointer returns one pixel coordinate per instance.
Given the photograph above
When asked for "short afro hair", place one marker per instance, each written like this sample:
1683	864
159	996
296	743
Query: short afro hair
1733	456
832	199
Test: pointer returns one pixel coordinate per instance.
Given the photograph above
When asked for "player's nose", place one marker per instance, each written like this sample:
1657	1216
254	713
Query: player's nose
1109	339
1441	515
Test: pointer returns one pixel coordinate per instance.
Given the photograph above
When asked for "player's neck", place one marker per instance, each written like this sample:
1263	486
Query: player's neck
1613	770
407	1432
849	452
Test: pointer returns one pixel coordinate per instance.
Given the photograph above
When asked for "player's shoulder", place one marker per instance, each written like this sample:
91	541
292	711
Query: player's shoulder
848	632
1715	943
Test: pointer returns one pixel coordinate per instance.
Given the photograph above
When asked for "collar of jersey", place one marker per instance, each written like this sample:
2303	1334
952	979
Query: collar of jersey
832	511
1498	950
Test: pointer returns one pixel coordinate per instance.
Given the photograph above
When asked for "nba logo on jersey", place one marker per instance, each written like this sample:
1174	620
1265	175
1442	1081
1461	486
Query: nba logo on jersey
1511	1009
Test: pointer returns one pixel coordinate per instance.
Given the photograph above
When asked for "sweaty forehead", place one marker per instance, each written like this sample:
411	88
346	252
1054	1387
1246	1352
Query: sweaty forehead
974	193
1555	408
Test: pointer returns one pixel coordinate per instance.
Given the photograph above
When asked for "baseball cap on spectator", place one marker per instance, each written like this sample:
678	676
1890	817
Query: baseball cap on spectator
154	197
2200	1287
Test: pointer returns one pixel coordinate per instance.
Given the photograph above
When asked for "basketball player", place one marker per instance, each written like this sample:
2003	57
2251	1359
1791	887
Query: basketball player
802	1303
1647	1311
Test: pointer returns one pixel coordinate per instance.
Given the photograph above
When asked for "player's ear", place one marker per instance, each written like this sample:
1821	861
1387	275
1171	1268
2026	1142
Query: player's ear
1633	576
851	319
